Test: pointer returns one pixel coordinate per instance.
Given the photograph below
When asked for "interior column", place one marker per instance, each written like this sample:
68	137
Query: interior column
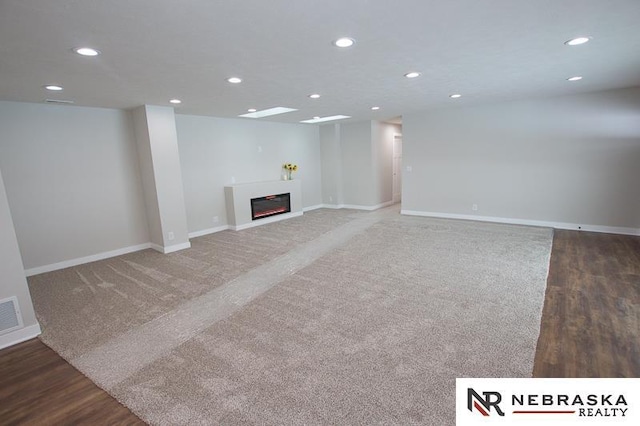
18	321
157	142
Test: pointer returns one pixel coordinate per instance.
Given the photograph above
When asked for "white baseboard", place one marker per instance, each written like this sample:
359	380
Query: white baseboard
308	209
333	206
368	208
170	249
357	207
528	222
208	231
20	336
86	259
265	220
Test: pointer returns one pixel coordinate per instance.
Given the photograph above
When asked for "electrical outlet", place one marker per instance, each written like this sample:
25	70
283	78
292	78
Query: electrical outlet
409	168
216	219
474	207
171	236
259	148
331	199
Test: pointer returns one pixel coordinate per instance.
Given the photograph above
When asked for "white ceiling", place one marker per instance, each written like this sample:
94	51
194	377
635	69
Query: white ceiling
154	50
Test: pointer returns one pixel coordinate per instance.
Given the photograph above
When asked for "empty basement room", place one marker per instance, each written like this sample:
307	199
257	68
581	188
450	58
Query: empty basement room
286	213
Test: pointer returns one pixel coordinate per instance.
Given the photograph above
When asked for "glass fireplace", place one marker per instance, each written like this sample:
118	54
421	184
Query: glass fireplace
270	205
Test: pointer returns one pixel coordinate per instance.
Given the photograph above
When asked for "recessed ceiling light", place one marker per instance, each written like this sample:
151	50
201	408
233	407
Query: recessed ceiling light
53	87
234	80
344	42
86	51
455	96
268	112
314	96
375	108
577	41
322	119
412	74
576	78
175	101
251	110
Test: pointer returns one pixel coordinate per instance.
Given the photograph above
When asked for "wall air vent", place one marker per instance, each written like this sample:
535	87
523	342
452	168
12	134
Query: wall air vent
10	318
57	101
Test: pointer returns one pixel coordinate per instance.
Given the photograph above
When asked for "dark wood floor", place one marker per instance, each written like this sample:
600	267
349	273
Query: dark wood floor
591	317
37	387
590	328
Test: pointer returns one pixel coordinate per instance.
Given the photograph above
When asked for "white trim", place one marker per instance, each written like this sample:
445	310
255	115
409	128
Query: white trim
156	247
79	261
308	209
369	208
208	231
528	222
171	249
356	206
265	220
20	336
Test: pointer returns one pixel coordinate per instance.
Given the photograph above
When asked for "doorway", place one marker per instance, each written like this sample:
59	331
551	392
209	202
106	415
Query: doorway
397	168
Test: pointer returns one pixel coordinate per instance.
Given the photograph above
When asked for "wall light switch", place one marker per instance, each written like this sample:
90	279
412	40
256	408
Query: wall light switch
259	149
171	236
409	168
216	219
233	179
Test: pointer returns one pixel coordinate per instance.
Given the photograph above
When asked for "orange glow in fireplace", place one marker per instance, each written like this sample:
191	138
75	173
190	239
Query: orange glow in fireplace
270	205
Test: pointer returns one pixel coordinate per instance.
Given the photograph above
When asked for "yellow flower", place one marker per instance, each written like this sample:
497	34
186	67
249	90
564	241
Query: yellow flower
290	167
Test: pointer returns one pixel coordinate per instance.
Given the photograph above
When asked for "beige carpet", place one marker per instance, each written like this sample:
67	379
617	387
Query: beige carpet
335	317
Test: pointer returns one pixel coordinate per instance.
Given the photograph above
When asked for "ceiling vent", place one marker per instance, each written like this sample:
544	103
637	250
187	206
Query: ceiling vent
10	318
57	101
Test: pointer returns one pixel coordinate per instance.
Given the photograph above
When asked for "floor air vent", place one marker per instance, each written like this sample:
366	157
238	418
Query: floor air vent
10	318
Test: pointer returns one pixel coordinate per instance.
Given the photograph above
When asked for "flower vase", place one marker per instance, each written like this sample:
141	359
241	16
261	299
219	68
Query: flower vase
289	175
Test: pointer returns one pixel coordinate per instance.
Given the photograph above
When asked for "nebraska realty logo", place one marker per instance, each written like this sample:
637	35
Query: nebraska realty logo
548	401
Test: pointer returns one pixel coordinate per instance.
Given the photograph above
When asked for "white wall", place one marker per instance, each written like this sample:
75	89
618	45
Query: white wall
157	141
570	159
357	163
331	163
147	176
72	180
382	139
215	150
13	282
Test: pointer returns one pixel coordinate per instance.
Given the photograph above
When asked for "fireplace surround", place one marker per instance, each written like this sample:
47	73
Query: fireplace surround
238	198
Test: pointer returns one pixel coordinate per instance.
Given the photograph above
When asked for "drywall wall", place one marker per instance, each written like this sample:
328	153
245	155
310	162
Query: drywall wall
145	164
13	282
215	152
72	181
331	163
357	163
157	142
570	159
382	147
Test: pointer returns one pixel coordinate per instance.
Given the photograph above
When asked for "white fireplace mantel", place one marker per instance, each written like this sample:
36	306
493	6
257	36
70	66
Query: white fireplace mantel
238	199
